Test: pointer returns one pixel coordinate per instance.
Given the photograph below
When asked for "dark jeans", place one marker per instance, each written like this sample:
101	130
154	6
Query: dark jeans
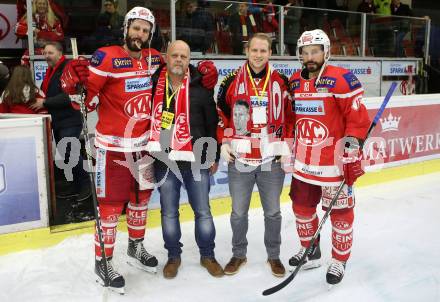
80	176
198	194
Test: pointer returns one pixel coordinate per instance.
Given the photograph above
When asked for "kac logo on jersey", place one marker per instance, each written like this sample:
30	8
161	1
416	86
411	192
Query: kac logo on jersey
311	132
122	63
138	84
2	178
309	107
138	107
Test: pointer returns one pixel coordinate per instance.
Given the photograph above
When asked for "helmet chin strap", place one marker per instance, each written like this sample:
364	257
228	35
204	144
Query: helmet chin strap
327	57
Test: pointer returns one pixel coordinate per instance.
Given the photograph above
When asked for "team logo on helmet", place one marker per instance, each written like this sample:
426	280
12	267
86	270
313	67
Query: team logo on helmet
144	13
311	132
307	38
138	107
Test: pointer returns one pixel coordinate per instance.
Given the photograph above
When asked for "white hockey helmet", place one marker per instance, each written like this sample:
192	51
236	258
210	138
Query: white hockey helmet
139	13
314	37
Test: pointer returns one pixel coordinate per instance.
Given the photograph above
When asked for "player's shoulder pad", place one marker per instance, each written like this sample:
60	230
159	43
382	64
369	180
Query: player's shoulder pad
347	77
100	55
156	57
97	58
294	81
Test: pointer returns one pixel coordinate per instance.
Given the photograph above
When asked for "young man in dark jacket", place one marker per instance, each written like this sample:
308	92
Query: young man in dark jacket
66	121
183	116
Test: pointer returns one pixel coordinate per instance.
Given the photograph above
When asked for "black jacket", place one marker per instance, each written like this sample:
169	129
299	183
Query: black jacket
203	117
402	10
58	103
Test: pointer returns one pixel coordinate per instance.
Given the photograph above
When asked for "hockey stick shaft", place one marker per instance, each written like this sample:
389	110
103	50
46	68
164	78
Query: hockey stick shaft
289	279
85	133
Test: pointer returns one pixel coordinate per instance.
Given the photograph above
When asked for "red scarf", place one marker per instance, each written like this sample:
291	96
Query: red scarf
243	21
262	140
181	144
49	73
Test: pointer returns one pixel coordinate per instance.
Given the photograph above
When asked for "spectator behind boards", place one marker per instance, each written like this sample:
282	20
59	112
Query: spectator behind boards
195	26
21	93
66	122
46	25
243	24
4	76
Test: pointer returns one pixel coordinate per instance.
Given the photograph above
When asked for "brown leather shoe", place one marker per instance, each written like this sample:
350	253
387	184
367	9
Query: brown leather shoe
277	267
212	266
170	269
234	265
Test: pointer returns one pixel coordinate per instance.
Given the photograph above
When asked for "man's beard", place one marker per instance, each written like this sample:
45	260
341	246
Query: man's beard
50	62
177	70
313	68
133	46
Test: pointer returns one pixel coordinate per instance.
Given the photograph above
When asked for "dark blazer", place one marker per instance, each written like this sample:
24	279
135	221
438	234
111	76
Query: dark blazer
402	10
58	103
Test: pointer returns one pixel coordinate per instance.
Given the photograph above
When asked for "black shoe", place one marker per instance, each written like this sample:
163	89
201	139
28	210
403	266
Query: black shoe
116	281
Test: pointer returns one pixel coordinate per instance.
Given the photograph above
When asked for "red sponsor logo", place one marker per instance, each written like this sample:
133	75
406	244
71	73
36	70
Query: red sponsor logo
311	132
138	107
341	225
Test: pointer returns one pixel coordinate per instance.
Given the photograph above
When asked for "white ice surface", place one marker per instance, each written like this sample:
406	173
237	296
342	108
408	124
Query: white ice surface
395	257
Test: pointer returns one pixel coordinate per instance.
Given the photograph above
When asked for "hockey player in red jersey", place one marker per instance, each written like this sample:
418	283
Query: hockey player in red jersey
118	85
331	123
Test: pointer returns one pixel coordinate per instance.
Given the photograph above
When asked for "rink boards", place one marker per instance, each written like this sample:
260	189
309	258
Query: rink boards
405	143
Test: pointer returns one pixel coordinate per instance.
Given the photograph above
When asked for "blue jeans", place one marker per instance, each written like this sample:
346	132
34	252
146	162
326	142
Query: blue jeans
198	195
270	184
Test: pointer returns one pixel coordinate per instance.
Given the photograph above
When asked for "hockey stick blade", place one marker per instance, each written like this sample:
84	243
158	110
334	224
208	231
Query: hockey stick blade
289	279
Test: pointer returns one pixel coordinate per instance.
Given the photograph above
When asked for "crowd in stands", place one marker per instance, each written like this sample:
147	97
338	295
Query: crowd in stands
210	27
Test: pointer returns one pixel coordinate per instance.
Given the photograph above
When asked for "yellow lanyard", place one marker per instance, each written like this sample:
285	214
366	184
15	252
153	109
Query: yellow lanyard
170	98
260	95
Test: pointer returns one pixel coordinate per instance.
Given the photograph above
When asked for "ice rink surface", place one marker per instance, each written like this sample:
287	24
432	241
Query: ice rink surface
395	257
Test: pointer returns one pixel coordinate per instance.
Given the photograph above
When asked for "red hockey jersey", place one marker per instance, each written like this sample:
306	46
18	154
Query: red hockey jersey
272	98
121	85
324	115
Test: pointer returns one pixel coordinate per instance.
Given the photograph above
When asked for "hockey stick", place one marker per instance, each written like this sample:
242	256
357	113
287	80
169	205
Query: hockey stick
289	279
85	133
